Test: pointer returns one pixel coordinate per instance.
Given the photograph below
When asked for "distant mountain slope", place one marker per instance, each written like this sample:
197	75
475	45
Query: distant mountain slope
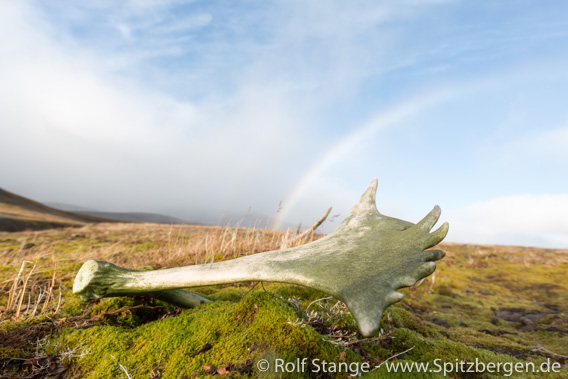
20	213
137	217
68	207
155	218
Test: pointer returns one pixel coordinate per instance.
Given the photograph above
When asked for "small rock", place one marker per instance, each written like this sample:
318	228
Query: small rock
483	292
446	306
494	320
527	321
533	316
518	314
28	245
509	315
528	325
526	328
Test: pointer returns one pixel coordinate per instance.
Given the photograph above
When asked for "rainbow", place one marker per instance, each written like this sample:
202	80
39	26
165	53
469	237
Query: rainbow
380	121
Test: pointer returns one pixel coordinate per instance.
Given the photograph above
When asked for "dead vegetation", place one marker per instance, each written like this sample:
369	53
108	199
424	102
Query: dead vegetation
35	288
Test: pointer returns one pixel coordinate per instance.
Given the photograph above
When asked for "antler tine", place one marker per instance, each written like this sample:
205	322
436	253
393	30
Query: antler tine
367	202
430	220
437	236
433	255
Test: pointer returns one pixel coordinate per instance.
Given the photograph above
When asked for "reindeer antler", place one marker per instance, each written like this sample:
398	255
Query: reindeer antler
363	262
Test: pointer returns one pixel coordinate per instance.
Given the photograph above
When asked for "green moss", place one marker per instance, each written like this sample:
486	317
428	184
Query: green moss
438	352
73	305
260	325
112	303
404	318
11	352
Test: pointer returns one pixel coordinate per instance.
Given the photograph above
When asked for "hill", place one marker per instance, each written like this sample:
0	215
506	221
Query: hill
20	213
495	305
154	218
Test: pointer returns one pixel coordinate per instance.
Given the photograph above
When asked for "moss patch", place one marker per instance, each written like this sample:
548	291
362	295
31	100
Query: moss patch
239	334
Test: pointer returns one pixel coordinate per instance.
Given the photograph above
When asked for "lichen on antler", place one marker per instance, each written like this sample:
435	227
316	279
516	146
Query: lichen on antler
363	262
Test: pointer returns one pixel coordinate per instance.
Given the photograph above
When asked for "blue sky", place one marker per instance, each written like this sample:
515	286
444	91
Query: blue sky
205	109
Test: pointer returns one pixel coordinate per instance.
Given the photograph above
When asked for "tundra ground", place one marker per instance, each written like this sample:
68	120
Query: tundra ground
490	303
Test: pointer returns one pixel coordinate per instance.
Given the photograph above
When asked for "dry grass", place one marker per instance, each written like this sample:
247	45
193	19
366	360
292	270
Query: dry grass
34	284
21	213
31	295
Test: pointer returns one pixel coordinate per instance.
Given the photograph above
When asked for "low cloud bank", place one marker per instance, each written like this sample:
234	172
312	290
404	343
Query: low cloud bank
533	220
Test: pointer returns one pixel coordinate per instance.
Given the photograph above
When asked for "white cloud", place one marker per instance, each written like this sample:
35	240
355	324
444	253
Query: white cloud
92	136
533	220
135	106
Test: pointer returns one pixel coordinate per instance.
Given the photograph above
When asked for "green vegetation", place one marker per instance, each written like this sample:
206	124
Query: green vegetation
490	303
